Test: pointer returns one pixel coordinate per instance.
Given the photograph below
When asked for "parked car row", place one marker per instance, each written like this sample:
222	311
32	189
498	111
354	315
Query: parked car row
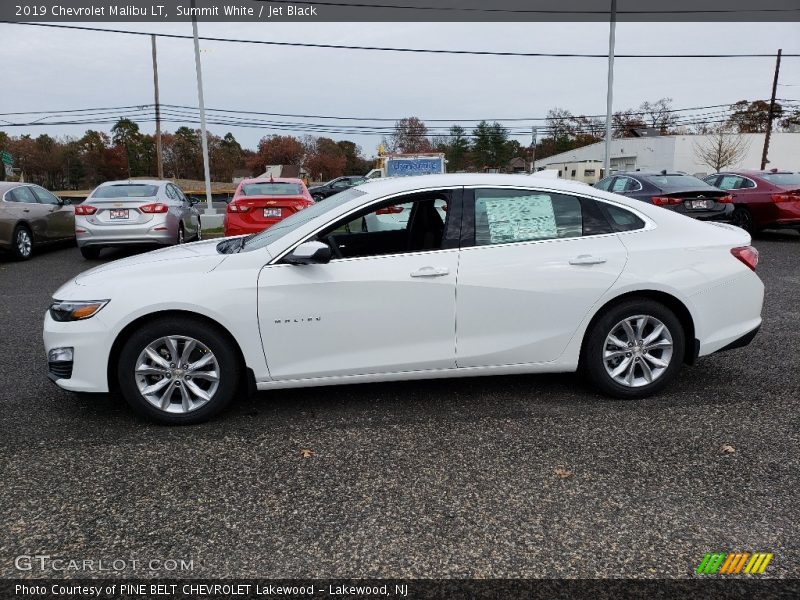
157	212
753	200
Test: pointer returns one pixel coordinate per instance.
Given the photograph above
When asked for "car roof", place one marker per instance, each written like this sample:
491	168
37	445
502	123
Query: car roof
756	172
651	173
390	185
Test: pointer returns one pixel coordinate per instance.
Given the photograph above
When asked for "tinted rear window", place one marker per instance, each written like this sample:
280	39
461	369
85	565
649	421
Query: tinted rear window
272	189
623	220
783	178
126	191
676	182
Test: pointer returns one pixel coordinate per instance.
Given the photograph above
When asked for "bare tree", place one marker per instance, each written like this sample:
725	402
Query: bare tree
721	148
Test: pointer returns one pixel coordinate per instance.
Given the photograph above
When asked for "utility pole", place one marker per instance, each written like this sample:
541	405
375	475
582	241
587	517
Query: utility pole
534	133
159	155
610	90
771	115
204	141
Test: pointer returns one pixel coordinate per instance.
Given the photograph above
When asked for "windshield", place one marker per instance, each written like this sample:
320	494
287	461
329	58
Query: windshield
677	182
126	191
788	179
272	189
298	219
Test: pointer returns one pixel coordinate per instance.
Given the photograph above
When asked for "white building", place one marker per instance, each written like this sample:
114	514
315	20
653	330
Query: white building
676	153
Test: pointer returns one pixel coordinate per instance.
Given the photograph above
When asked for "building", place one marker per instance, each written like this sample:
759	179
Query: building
673	153
585	171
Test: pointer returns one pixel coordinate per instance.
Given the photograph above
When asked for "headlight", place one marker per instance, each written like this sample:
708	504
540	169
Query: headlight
75	310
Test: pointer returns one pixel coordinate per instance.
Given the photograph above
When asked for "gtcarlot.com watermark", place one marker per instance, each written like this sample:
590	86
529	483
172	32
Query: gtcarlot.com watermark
46	562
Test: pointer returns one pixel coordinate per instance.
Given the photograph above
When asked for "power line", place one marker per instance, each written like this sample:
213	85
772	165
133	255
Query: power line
394	49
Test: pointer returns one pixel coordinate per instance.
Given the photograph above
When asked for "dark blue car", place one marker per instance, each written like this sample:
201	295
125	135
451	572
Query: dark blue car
680	192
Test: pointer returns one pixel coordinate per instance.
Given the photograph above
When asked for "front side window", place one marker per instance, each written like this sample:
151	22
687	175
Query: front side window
414	225
604	184
44	196
511	216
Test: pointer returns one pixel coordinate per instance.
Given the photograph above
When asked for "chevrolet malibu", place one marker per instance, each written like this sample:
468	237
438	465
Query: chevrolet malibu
519	275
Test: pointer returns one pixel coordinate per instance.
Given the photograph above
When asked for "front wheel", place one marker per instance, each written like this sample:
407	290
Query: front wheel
181	234
178	371
634	349
90	252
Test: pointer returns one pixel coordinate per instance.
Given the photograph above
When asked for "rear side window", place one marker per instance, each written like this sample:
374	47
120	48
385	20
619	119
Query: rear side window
22	194
621	219
512	216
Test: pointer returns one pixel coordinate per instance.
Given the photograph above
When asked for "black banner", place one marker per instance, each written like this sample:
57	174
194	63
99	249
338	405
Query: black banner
40	11
453	589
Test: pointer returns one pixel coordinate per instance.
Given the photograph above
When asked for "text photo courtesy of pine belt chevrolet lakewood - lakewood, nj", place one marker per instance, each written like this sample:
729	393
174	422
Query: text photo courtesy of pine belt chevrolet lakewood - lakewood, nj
434	299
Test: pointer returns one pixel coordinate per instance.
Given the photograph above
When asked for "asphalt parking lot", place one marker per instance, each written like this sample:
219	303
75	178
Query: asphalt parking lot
525	476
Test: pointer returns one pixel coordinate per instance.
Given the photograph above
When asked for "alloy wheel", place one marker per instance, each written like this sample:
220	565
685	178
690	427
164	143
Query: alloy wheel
177	374
24	242
637	351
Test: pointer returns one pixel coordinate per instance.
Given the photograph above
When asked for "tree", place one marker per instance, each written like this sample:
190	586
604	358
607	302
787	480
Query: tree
324	158
752	117
490	147
721	148
559	123
456	148
355	163
226	155
410	136
659	114
624	121
125	133
277	150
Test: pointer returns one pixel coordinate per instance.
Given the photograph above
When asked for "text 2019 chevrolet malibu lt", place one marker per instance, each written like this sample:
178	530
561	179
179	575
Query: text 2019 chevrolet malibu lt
518	274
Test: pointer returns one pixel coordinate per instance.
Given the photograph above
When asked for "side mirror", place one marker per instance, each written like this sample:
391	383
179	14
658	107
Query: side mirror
309	253
193	200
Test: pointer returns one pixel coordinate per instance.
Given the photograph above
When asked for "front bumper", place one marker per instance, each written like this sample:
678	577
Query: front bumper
88	371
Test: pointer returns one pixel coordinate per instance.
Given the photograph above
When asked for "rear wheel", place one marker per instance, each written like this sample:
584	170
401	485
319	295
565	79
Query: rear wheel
22	243
635	349
741	217
178	371
90	252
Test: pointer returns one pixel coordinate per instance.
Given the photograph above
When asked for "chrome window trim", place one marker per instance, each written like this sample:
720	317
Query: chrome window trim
649	224
21	185
755	184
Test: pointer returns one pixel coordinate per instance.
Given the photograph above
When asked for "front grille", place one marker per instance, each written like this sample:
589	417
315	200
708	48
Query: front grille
60	369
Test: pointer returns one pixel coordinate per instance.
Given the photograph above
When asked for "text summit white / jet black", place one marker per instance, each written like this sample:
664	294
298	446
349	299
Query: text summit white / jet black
412	278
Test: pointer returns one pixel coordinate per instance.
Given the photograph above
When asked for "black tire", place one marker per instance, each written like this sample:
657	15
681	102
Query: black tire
593	362
229	370
181	234
90	252
22	243
741	217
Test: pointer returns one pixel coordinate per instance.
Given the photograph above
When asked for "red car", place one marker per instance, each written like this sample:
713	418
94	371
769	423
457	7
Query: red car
260	203
762	199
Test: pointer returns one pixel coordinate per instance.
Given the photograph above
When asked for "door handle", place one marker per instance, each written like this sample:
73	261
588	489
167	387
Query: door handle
430	272
587	259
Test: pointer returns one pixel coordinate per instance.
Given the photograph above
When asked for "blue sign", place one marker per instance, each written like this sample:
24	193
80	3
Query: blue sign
415	166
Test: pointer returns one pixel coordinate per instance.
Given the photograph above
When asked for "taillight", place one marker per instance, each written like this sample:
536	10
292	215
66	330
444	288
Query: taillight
747	254
389	210
662	200
237	208
85	209
792	196
156	207
725	199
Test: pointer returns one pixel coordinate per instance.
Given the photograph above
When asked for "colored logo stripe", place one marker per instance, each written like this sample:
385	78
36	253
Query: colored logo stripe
732	563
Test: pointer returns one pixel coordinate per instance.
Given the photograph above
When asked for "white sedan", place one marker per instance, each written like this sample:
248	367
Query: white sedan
520	275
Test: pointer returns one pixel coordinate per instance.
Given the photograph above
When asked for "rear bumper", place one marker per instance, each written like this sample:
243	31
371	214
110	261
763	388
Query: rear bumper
723	215
128	236
742	341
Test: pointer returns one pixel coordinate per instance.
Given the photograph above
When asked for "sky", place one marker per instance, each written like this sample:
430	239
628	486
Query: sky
49	69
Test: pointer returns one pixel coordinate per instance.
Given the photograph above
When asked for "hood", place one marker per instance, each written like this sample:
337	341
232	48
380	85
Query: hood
194	257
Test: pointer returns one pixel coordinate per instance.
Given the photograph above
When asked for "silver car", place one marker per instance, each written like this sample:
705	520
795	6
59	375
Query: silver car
30	216
122	213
